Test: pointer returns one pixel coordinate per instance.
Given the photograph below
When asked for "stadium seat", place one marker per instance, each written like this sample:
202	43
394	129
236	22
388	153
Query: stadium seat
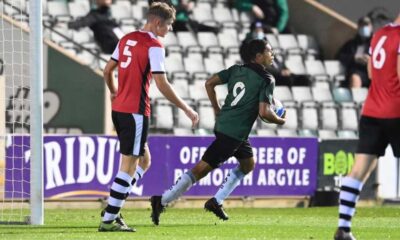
347	134
206	115
182	132
296	66
174	63
245	17
138	13
78	8
326	134
203	12
163	115
308	44
342	95
187	40
181	87
316	69
307	133
60	34
128	28
272	39
321	94
207	40
169	39
349	118
228	37
291	119
232	59
222	14
59	11
322	84
335	70
197	90
359	94
121	10
302	94
286	133
214	63
84	35
266	132
194	63
329	118
309	118
289	44
283	93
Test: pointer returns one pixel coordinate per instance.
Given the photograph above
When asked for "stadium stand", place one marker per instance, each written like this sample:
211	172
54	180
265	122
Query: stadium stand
320	109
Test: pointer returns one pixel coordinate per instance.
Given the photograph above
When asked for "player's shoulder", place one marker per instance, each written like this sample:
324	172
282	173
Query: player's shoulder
388	28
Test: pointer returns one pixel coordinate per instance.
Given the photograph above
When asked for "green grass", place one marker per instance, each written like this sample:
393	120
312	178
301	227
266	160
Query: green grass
284	223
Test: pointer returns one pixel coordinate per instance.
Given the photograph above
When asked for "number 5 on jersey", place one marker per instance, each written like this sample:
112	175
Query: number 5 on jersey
127	52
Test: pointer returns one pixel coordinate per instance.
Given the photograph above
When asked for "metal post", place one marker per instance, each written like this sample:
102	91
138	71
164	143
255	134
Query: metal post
36	107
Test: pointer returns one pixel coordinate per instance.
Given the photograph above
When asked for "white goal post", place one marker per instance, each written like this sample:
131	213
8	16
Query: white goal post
21	106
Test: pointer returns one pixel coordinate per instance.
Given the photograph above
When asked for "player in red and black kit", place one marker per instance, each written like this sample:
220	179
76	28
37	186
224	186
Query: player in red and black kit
139	56
379	123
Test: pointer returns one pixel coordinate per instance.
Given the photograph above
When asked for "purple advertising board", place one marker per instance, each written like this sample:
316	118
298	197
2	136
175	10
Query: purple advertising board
84	166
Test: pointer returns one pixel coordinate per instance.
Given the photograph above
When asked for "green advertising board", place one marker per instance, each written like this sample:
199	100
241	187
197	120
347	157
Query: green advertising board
73	97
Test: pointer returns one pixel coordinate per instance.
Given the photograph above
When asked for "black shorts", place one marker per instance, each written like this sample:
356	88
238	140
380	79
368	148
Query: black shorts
132	132
376	134
225	147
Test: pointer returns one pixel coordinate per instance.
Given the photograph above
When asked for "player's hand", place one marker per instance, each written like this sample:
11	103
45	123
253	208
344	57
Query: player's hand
193	115
258	12
112	96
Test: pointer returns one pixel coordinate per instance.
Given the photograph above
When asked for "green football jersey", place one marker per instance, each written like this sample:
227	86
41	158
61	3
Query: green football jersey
248	85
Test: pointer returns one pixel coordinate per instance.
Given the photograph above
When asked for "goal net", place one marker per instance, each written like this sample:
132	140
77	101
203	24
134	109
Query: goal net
16	125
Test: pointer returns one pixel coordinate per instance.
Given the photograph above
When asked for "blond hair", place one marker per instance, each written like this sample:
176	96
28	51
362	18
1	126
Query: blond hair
162	11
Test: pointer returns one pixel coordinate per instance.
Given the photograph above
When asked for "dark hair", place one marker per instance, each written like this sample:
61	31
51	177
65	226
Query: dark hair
161	10
253	47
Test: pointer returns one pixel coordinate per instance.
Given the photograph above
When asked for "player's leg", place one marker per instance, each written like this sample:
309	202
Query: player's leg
132	134
183	184
372	143
142	166
246	164
243	152
111	219
220	150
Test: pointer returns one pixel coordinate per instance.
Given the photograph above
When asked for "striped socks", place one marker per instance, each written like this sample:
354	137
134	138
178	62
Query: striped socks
136	177
118	191
349	195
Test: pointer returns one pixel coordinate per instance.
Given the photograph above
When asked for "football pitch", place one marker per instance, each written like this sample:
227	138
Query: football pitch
244	223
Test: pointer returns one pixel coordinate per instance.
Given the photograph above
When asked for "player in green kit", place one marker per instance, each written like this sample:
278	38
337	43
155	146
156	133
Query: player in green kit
250	91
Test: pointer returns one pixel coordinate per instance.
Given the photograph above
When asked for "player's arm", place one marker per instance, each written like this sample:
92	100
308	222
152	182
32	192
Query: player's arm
210	88
265	111
108	76
166	89
369	68
398	67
